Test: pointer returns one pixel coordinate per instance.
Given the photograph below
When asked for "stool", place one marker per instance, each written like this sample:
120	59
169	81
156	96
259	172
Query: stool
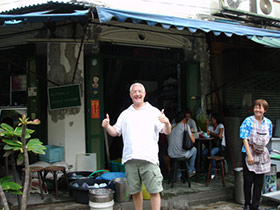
38	169
217	159
175	162
54	170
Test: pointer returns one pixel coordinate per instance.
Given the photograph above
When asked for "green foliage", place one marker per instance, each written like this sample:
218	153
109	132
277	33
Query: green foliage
6	130
17	140
36	146
18	132
11	137
10	187
12	145
20	159
201	117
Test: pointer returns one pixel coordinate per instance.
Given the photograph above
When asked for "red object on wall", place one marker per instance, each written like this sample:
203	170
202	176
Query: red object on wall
95	113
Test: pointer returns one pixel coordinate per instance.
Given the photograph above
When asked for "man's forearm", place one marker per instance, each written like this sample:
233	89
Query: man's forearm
167	128
111	131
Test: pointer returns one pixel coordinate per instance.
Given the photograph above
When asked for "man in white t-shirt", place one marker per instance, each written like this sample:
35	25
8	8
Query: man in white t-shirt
140	125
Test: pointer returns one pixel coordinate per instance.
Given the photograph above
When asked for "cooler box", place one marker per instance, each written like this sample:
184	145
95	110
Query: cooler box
53	154
86	162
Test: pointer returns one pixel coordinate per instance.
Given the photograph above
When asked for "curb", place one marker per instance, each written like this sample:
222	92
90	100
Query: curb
185	201
179	202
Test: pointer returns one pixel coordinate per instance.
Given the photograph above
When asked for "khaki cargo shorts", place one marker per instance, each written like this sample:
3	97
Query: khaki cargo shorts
141	170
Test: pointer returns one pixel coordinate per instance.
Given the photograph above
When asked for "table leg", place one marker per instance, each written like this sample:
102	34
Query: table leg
40	183
198	161
55	184
66	180
210	149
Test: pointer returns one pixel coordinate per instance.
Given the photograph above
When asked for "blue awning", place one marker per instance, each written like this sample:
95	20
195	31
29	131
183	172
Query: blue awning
270	42
41	16
106	14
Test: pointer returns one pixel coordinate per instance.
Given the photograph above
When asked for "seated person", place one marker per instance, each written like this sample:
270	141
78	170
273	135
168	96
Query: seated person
175	139
217	131
190	121
163	155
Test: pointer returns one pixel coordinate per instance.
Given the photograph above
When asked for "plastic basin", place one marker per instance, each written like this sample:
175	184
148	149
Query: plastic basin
81	194
81	175
112	175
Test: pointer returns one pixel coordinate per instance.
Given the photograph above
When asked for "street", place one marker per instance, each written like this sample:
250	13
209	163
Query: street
228	205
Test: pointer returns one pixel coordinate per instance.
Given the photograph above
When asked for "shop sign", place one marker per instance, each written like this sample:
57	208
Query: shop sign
95	109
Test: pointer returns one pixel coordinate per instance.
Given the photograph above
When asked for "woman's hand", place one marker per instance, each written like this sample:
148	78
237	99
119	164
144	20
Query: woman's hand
250	159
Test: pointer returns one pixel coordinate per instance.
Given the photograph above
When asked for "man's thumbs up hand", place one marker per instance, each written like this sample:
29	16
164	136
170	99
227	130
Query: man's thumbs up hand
106	121
162	118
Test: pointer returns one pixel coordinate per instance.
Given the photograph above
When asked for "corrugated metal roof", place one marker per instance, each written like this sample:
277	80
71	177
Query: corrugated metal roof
42	10
22	11
11	6
176	8
14	19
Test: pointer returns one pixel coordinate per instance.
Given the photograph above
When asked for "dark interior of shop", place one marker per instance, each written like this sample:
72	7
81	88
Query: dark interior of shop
157	72
13	85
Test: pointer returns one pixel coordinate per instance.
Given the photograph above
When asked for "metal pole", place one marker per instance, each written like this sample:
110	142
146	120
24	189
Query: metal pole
107	149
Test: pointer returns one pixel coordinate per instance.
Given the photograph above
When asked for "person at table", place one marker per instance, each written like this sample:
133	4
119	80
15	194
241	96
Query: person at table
190	121
164	159
216	130
175	139
255	131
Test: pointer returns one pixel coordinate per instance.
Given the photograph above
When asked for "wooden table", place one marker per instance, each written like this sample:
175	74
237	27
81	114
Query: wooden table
198	144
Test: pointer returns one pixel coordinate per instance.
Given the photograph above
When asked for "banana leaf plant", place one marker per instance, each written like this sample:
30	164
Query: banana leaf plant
18	141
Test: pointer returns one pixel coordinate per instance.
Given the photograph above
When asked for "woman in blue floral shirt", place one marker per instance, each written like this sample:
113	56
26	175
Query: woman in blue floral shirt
255	131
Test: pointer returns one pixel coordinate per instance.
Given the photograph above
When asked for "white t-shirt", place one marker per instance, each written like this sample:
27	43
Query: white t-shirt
217	131
140	131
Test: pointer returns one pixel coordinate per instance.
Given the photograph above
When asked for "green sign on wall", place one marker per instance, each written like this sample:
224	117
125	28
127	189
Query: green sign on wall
64	96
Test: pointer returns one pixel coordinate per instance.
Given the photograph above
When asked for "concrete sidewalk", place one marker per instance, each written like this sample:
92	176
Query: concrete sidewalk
176	198
228	205
187	201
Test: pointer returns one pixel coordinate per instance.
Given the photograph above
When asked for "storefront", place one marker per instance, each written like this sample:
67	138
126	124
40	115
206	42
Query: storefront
172	57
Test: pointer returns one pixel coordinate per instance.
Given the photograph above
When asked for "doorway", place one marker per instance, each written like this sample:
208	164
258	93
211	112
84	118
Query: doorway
157	69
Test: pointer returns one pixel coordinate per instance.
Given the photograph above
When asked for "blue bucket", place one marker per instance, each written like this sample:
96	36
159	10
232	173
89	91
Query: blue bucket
112	175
